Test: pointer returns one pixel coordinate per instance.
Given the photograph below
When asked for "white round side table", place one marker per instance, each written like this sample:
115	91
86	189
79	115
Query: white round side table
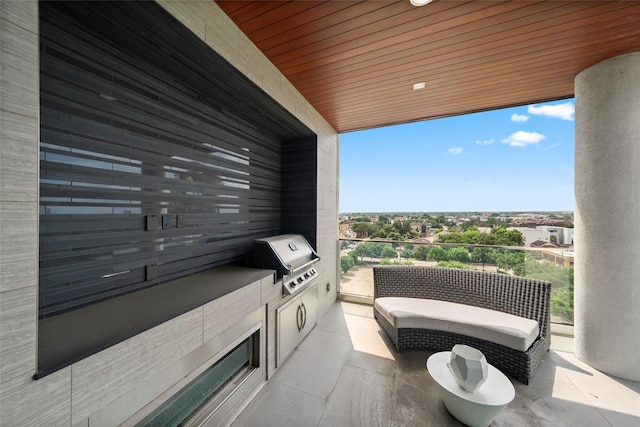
477	409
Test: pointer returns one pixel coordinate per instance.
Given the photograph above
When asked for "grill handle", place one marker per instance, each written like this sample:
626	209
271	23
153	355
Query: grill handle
302	267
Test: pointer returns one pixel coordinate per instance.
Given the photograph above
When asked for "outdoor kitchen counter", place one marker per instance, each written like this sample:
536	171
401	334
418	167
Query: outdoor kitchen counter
72	336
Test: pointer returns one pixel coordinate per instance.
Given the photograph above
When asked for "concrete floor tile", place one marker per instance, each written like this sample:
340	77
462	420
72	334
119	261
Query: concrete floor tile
613	398
569	364
343	324
549	371
516	413
347	373
373	340
361	310
417	403
631	385
322	341
361	398
282	406
373	363
559	404
315	366
562	343
334	311
413	362
619	419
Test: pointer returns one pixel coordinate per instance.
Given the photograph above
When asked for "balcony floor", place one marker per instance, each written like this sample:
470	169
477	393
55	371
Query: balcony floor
345	373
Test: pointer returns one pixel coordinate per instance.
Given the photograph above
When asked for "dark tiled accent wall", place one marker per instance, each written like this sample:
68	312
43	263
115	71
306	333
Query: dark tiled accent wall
300	187
157	160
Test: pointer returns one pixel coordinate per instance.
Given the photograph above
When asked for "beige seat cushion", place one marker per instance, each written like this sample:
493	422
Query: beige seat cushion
501	328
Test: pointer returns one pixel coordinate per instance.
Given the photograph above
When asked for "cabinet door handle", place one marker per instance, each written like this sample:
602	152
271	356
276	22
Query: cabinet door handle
299	318
304	316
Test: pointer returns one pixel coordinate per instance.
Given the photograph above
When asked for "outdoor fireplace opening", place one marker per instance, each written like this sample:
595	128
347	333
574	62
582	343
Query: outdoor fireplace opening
197	402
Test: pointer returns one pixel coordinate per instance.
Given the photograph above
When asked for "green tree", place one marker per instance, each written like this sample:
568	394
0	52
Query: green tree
354	256
483	256
459	254
407	253
346	263
421	252
468	224
371	249
473	236
506	237
384	219
515	237
453	264
394	235
388	252
511	260
437	254
403	228
363	250
562	303
362	229
561	279
452	237
362	219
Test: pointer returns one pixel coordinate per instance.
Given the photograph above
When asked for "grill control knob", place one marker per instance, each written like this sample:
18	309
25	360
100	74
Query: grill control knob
300	279
292	284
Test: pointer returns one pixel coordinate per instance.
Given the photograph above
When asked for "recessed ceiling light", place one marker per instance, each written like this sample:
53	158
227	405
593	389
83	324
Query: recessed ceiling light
420	85
418	3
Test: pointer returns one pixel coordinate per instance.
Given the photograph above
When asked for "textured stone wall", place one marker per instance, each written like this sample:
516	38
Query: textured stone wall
48	401
607	234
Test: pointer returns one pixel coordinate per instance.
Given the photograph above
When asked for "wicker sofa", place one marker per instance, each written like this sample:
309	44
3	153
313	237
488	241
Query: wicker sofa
526	298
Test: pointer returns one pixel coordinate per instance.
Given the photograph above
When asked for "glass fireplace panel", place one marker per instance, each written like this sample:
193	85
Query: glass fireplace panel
178	409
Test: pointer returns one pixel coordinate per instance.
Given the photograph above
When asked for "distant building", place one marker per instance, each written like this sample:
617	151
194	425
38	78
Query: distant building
417	226
559	257
559	236
345	231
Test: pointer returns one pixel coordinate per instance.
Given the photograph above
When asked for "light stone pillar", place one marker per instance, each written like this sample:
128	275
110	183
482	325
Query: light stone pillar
607	216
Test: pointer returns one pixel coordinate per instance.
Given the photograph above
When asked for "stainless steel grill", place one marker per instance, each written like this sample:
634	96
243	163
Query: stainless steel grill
291	256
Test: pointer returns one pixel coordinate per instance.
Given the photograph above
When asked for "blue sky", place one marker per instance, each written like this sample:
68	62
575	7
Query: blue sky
514	159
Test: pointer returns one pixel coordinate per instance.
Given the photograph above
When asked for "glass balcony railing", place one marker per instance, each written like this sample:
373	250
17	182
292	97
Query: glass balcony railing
357	257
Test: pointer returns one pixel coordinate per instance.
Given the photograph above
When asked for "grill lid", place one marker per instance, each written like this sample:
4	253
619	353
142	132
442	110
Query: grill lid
285	253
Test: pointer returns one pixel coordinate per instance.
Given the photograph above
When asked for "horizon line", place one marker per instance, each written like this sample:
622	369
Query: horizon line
452	212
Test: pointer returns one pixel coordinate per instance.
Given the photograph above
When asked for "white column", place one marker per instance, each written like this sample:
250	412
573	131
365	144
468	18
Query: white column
607	216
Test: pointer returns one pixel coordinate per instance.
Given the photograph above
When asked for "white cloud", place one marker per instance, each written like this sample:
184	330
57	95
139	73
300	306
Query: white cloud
485	142
559	111
522	138
455	150
519	118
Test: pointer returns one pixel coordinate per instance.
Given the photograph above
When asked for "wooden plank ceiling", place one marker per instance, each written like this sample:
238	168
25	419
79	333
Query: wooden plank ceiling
356	62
